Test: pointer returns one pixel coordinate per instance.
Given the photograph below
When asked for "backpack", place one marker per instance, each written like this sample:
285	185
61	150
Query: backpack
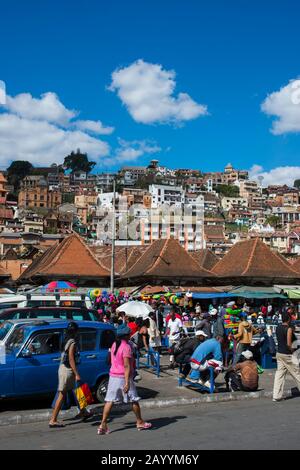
65	354
179	347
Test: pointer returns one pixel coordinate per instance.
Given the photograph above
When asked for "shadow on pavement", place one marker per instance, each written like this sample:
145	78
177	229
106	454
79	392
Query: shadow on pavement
157	423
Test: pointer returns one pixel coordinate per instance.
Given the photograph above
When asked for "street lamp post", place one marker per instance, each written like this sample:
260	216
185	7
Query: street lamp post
112	274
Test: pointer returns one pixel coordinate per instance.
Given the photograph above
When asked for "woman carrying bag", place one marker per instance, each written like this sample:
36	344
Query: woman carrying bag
67	373
121	387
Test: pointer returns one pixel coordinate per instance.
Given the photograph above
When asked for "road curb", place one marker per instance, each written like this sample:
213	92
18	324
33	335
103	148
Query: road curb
44	415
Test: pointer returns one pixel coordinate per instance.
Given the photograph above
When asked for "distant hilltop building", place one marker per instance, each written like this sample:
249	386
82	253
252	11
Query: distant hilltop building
228	176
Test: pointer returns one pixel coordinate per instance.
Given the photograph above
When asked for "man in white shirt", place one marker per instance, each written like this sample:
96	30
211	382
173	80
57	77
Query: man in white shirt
174	328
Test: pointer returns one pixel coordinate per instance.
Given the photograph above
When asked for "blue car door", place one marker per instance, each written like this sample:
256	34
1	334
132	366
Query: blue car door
89	355
7	362
36	366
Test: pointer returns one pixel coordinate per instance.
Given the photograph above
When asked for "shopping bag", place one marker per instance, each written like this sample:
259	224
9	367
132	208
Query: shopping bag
67	402
83	396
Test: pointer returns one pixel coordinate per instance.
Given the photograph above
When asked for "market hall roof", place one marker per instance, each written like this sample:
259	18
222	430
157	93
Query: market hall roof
70	259
4	275
125	257
206	258
167	260
296	265
253	261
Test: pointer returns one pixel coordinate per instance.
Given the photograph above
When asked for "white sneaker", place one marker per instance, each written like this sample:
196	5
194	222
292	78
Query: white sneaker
193	381
137	378
277	399
207	384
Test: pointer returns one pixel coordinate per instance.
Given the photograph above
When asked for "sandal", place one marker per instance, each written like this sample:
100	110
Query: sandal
101	431
56	425
144	426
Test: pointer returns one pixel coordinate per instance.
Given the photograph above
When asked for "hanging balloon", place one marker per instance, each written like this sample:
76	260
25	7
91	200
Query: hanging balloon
96	292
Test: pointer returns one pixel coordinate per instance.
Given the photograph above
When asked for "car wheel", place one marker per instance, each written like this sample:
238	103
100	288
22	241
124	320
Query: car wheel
101	390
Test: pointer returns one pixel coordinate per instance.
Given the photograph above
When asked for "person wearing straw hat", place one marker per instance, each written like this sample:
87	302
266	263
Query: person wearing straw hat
121	387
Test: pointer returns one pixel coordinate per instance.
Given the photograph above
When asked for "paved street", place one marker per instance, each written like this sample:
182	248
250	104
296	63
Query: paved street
258	424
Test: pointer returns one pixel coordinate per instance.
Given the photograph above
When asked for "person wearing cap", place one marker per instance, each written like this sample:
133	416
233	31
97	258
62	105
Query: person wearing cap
185	350
68	373
121	387
244	375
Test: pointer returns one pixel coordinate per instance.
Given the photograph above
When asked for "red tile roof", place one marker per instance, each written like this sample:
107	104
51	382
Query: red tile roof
125	257
206	258
214	232
166	259
6	213
296	265
4	273
71	258
254	259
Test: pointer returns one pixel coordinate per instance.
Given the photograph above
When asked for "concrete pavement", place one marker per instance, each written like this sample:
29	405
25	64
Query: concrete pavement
258	424
155	392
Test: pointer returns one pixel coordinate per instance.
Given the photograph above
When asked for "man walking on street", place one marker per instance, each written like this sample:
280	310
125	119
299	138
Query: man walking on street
286	363
174	327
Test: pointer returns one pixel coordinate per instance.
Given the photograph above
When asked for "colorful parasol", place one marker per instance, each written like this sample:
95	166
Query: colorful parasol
59	285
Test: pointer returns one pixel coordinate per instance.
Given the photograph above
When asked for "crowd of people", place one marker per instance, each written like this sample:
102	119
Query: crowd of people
198	342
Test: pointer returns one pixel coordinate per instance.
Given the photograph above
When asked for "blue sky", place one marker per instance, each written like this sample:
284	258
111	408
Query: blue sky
228	55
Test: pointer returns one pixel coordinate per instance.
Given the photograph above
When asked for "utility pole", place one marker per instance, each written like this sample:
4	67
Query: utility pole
112	274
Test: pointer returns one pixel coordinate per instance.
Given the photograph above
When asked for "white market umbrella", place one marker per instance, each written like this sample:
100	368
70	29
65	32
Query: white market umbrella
135	309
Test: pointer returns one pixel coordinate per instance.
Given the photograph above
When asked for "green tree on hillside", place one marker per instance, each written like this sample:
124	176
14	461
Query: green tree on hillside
273	220
17	171
78	162
228	190
297	184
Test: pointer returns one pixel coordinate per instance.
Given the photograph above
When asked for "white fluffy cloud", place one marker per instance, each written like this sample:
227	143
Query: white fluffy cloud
42	143
2	93
95	127
47	108
147	90
43	131
280	175
285	106
132	151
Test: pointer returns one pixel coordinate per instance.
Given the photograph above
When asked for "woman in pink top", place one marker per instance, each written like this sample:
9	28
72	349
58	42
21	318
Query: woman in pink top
121	388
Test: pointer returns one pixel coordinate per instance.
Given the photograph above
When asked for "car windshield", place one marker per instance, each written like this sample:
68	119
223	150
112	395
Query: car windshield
5	327
16	339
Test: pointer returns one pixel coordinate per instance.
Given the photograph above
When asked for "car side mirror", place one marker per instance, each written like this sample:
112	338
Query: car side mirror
25	353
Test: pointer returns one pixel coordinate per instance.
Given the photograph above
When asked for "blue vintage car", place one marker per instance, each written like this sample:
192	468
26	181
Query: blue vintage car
30	357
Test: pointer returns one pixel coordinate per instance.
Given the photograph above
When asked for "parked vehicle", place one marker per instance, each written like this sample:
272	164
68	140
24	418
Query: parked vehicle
44	300
44	313
32	348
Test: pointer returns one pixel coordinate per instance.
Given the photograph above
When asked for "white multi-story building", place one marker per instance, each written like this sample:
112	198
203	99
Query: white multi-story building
228	203
161	194
131	174
104	181
248	188
174	216
287	214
